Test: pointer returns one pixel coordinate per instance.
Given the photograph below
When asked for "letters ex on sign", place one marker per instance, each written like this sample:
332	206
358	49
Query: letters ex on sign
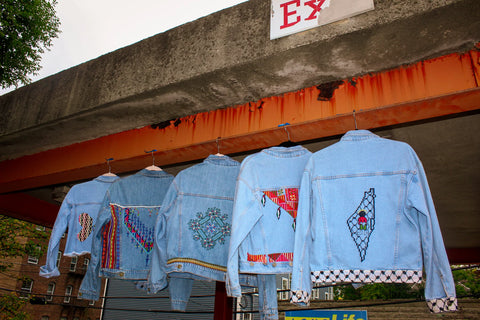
292	16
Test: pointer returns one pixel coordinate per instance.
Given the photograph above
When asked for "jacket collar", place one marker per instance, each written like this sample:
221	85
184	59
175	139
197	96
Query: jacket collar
357	135
153	173
221	160
108	179
284	152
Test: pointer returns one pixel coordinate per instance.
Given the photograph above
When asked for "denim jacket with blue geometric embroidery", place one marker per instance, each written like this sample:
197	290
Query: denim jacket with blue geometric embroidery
78	213
124	231
264	215
366	215
193	228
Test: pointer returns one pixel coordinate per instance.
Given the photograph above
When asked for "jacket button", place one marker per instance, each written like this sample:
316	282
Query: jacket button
274	264
179	266
252	264
121	274
291	264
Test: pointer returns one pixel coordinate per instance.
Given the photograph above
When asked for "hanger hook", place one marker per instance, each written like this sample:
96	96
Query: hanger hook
108	164
355	119
151	152
217	141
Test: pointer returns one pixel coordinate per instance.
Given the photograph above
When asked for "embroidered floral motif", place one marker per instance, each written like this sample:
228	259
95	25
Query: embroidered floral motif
286	199
210	227
362	222
87	226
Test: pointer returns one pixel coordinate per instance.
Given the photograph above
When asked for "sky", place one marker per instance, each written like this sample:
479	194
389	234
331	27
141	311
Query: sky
91	28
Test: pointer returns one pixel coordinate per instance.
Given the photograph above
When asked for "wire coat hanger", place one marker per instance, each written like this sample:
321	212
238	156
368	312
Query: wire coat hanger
218	147
287	143
355	119
153	167
109	173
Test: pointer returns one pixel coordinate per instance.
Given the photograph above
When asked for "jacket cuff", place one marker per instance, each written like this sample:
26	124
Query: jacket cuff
443	304
88	295
153	288
300	297
48	274
178	305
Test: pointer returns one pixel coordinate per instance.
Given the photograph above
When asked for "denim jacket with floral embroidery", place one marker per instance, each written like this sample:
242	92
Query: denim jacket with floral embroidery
264	215
78	213
366	215
124	231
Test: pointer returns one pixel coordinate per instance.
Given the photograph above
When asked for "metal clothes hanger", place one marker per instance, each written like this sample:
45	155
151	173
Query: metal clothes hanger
218	147
287	143
153	167
109	173
355	119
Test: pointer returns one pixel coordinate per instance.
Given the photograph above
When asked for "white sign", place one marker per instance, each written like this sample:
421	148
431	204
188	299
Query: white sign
292	16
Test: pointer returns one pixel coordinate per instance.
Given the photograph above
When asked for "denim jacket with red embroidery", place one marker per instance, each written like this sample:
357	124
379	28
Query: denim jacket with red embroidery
78	214
366	215
264	214
124	231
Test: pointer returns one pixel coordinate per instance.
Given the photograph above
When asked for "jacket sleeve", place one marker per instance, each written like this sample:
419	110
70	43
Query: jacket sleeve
301	288
50	268
90	287
439	288
157	278
243	219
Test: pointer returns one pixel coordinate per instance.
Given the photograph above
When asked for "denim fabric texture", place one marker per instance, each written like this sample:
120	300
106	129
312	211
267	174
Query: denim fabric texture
78	213
124	231
263	225
193	228
366	215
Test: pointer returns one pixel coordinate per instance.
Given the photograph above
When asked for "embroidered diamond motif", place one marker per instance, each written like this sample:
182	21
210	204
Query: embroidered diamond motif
362	222
87	226
210	227
141	232
367	276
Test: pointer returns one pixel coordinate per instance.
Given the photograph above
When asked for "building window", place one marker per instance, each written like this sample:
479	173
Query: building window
63	318
284	294
33	259
86	262
76	318
44	318
91	303
59	257
315	294
27	285
68	293
50	291
73	264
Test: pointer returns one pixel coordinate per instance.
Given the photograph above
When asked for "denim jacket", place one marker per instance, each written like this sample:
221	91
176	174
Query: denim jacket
193	228
78	213
366	215
124	231
264	215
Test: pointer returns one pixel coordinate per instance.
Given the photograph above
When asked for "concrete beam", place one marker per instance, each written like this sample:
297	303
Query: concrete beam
222	60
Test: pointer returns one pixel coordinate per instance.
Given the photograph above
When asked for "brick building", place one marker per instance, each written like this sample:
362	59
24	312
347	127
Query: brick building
56	298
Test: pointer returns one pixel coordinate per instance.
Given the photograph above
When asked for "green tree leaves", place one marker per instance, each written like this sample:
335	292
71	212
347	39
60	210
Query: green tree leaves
27	28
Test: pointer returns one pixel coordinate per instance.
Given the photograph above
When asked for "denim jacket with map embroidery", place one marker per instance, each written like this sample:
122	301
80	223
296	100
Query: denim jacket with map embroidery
124	231
366	215
78	213
264	215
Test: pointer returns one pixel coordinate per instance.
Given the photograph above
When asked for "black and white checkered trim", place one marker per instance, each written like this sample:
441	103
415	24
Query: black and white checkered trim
367	276
300	297
443	304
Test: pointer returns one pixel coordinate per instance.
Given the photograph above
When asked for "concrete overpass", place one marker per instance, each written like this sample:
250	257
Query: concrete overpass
410	70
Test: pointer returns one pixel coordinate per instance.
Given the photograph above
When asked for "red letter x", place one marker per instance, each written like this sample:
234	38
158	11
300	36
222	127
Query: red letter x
316	8
287	13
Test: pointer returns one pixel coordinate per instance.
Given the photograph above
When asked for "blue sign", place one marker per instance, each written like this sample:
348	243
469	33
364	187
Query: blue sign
326	315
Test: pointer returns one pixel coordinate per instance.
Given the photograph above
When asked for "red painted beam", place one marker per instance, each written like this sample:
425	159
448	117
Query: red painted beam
405	94
223	303
25	207
463	255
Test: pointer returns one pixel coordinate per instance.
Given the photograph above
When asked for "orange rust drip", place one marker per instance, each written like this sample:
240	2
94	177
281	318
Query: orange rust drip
431	88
